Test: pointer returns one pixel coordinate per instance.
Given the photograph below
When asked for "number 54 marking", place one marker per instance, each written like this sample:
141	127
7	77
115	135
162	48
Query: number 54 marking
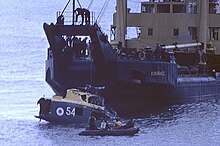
70	111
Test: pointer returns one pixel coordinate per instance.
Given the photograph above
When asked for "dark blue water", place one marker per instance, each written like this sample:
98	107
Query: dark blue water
23	52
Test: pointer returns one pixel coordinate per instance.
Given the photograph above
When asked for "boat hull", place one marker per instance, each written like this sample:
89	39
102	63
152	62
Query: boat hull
114	132
68	113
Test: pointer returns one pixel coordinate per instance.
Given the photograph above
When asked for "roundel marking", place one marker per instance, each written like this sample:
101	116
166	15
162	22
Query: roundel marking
60	111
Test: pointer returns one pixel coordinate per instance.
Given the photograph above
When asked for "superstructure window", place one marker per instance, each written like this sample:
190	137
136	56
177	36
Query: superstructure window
213	7
138	29
148	8
163	8
175	32
179	8
150	32
192	8
134	32
214	33
193	32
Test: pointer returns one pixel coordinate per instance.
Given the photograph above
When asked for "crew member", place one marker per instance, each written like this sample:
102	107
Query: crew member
60	20
80	11
87	16
118	124
104	125
92	122
129	124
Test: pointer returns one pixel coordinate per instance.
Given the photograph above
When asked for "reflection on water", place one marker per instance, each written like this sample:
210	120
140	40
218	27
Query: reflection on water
188	124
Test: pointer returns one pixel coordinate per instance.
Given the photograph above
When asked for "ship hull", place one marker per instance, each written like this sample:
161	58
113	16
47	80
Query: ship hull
131	99
139	100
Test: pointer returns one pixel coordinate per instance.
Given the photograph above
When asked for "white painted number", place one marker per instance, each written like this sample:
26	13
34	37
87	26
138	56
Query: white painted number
70	111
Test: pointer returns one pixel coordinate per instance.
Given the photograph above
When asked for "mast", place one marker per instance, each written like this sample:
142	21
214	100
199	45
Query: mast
203	28
121	25
73	12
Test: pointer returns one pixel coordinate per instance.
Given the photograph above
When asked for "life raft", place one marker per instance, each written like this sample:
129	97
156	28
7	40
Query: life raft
114	132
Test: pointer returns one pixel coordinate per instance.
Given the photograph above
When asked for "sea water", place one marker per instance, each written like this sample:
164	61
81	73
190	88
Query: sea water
23	50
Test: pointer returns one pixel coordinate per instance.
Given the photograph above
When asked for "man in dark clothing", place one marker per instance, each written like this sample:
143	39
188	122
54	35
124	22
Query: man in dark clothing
92	124
84	13
81	12
60	20
87	16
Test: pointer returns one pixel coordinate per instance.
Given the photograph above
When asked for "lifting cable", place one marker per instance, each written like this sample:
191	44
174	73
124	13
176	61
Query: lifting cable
90	4
105	5
65	7
79	4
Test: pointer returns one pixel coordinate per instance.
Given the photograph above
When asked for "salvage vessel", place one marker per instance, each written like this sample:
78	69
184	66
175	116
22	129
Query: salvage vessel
173	58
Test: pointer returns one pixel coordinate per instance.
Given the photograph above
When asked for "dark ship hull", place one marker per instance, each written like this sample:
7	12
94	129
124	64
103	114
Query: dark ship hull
133	85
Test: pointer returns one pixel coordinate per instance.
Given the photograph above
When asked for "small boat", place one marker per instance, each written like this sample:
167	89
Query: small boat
114	132
75	108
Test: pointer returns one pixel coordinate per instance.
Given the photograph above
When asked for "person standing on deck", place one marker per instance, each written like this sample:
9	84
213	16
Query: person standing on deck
80	11
87	16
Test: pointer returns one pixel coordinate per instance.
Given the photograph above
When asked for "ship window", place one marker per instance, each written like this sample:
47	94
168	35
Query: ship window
148	8
175	32
179	8
134	32
193	32
138	29
150	31
91	99
83	97
213	33
163	8
97	100
213	7
192	8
